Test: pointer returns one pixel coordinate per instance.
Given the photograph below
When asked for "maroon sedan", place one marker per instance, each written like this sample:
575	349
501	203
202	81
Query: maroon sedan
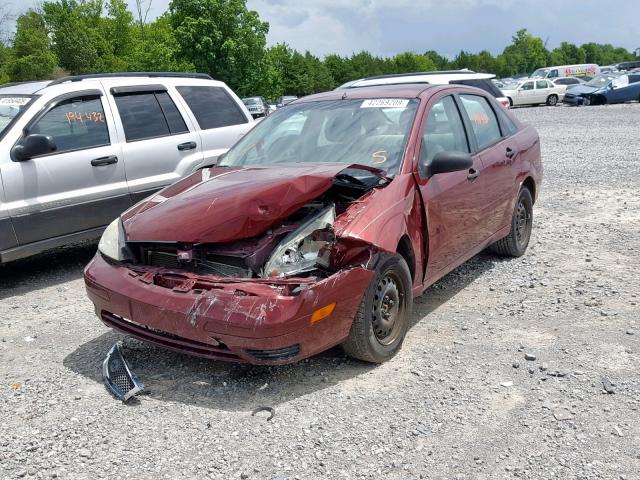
320	226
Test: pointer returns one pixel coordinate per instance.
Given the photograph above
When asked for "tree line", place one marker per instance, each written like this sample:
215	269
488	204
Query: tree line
228	41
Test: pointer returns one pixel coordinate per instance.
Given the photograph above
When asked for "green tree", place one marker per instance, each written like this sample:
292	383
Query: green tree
32	55
155	49
222	38
410	62
525	54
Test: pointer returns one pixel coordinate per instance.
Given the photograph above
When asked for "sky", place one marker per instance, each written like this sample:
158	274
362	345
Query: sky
388	27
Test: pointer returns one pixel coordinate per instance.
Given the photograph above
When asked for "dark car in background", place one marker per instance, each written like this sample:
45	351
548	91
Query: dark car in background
257	106
604	89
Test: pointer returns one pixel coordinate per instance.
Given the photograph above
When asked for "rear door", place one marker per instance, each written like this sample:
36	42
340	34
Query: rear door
79	187
221	117
158	145
452	200
543	90
498	151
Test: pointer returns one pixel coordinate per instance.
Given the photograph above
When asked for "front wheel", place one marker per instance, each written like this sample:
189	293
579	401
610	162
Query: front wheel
552	100
515	244
586	101
382	319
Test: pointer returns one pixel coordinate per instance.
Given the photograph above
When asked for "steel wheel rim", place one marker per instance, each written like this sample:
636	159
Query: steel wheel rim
388	309
523	223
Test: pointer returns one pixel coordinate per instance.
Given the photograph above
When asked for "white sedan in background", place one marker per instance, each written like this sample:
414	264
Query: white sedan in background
534	92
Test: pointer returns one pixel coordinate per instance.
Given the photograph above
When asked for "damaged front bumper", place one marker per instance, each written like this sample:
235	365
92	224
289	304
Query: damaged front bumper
260	321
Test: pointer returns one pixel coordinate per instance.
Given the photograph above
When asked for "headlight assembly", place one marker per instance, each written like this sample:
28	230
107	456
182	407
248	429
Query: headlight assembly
298	252
112	243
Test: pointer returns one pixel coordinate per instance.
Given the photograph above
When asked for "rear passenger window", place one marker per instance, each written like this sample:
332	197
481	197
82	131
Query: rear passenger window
212	106
483	120
149	115
74	124
444	131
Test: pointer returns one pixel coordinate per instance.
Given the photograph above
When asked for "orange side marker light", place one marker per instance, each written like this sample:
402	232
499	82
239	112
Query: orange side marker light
321	313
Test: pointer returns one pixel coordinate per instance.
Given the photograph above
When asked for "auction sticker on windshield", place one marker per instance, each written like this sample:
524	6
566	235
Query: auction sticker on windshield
14	100
385	103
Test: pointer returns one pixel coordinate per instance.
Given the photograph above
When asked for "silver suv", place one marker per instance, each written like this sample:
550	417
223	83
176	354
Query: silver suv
76	152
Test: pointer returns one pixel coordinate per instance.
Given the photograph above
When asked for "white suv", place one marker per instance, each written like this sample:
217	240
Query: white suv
78	151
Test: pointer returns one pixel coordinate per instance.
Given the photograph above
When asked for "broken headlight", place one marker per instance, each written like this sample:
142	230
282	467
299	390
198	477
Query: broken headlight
112	243
299	250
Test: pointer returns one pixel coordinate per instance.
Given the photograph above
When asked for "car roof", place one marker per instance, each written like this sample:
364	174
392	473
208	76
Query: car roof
435	77
80	82
24	88
406	90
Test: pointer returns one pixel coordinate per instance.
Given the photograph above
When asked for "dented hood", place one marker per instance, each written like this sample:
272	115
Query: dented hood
223	204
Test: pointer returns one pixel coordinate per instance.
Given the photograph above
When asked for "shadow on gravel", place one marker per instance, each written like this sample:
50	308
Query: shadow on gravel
174	377
45	269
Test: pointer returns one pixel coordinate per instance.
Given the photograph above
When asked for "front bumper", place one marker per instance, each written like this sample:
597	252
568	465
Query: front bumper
571	99
242	320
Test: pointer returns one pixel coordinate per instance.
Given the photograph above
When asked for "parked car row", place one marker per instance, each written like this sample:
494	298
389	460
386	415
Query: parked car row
571	86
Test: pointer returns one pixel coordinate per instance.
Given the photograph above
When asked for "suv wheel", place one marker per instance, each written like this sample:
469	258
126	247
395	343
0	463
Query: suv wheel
382	319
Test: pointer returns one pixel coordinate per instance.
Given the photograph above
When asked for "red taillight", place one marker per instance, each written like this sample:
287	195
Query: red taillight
505	103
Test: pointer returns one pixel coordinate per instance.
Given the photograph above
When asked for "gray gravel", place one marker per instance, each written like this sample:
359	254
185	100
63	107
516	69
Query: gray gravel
460	401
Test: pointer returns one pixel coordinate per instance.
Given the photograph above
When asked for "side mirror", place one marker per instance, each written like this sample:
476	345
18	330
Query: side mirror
444	162
32	146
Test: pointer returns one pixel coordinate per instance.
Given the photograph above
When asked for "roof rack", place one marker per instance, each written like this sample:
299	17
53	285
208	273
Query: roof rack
79	78
413	74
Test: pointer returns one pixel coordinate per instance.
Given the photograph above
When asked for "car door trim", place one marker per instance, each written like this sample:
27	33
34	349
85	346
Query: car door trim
34	227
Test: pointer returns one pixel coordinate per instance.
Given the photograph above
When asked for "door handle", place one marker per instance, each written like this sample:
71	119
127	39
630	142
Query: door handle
510	153
187	146
473	174
101	161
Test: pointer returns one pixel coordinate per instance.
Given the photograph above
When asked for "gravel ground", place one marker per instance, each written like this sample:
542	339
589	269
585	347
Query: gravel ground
501	375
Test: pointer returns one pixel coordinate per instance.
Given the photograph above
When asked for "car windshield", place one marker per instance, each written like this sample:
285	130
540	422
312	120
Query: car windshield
371	132
10	107
540	73
250	101
600	81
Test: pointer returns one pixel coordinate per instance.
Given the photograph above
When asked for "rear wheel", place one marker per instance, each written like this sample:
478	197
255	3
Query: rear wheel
382	319
552	100
515	244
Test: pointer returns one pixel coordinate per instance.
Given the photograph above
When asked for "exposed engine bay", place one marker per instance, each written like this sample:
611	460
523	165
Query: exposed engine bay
301	244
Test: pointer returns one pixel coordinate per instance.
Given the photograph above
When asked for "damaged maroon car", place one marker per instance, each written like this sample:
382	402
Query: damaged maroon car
320	226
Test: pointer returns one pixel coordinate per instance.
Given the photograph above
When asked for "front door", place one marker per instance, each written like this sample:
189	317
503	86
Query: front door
453	209
81	185
526	93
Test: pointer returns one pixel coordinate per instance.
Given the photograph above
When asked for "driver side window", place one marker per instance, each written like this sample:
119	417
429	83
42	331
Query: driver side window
74	124
444	131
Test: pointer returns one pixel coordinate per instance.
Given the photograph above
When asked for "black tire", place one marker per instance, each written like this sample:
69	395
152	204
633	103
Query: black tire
373	337
515	244
552	100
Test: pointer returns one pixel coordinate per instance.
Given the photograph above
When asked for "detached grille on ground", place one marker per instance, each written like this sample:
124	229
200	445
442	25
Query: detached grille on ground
118	377
277	354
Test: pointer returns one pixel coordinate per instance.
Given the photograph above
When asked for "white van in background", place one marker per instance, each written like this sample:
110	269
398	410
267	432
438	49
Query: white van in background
582	70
